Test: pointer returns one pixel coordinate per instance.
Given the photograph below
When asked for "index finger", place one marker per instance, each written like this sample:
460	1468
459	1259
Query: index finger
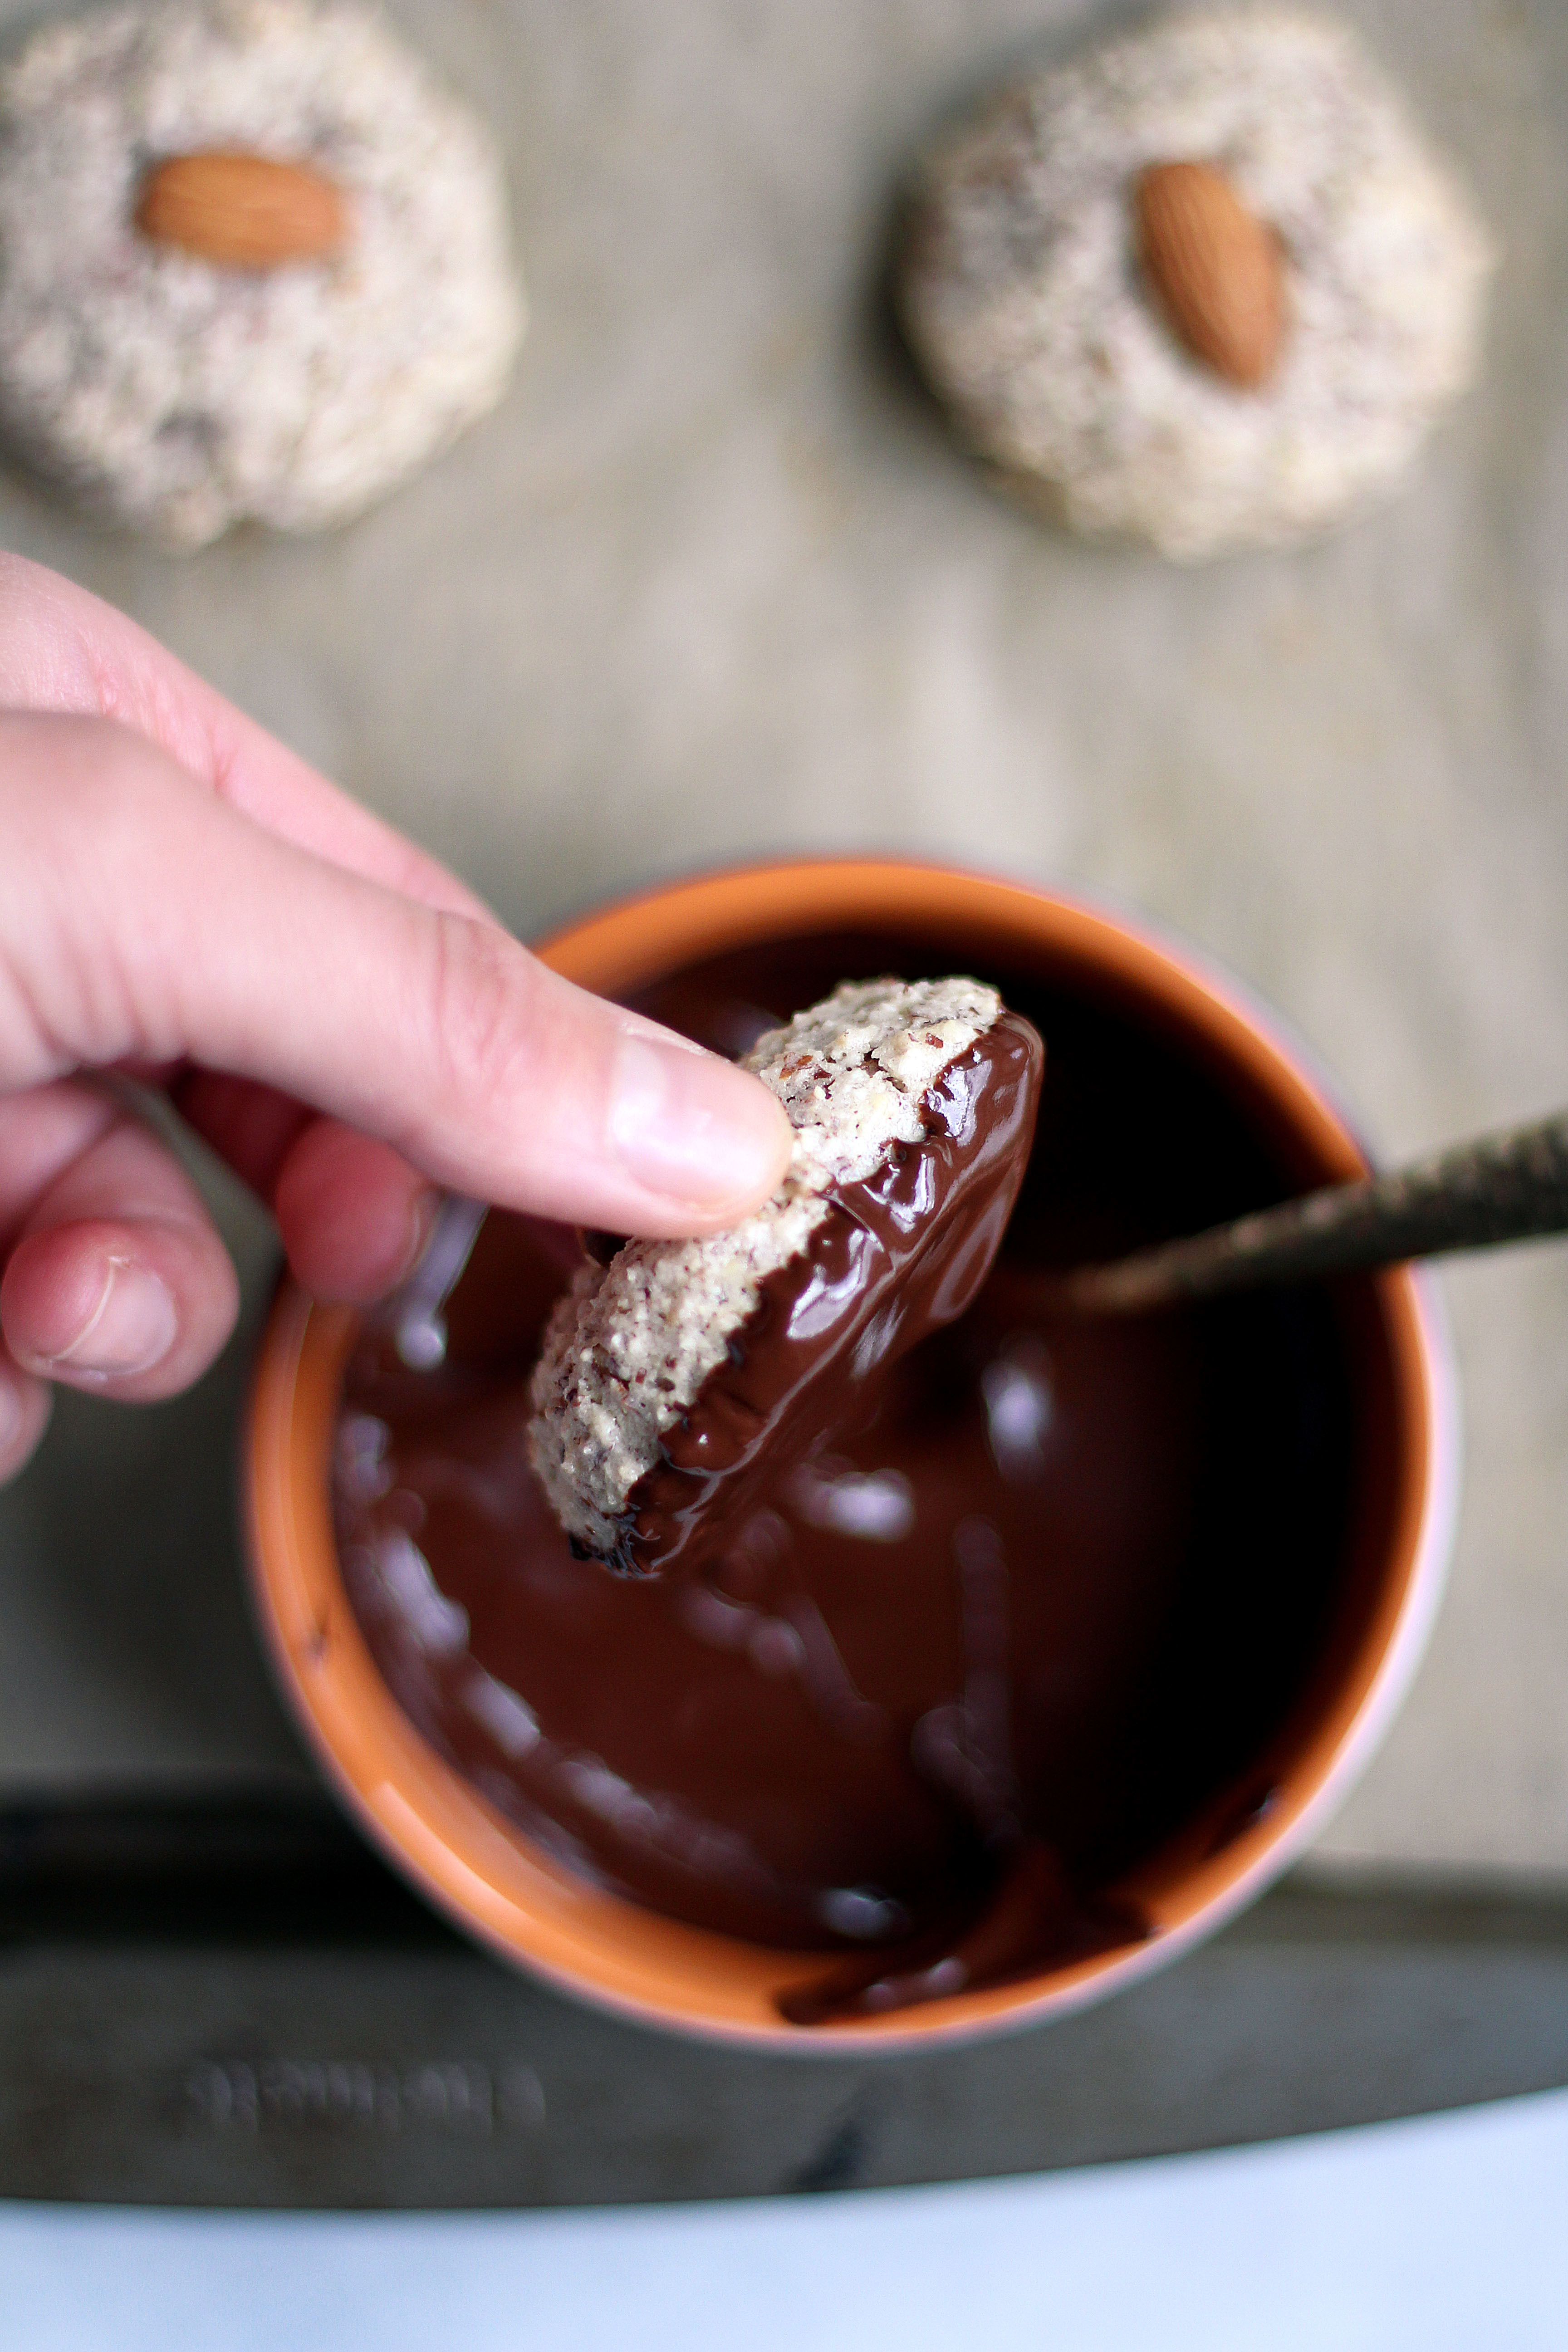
64	650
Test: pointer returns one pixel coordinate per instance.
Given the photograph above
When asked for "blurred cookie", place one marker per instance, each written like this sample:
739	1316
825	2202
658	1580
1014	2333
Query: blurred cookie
254	262
1205	287
676	1375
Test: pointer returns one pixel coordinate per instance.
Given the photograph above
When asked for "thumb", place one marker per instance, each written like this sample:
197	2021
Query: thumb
146	917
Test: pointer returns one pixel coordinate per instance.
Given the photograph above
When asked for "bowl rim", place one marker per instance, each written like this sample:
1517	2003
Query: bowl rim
483	1872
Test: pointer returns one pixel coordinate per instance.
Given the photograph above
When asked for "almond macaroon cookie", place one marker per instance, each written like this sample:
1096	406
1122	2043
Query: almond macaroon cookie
676	1377
254	262
1205	287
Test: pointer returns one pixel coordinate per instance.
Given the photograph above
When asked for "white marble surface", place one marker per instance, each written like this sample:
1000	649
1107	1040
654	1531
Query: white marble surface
714	583
1432	2236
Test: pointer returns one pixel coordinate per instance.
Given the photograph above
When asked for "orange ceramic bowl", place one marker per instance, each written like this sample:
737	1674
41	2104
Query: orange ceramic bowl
487	1875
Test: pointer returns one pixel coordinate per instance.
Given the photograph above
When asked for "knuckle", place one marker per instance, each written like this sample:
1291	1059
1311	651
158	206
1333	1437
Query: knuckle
82	808
485	1010
77	779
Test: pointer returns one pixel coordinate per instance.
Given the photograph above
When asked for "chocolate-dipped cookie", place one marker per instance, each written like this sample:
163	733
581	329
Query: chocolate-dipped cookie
676	1376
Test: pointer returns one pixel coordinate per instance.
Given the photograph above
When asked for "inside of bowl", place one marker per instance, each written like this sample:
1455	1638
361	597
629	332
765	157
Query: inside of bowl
1172	1677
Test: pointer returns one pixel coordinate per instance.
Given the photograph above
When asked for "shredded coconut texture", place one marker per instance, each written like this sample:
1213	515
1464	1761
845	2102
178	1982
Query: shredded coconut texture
1022	297
629	1347
169	394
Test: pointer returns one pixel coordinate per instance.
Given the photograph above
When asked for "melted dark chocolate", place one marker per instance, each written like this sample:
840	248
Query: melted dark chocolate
1039	1603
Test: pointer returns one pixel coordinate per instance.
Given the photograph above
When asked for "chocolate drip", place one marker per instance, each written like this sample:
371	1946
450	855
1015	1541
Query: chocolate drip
1029	1911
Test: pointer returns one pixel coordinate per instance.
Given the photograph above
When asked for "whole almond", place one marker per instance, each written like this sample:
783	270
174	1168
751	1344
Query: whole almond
242	211
1218	270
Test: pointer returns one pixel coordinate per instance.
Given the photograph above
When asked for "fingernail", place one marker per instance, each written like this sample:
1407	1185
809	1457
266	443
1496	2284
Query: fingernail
689	1126
132	1328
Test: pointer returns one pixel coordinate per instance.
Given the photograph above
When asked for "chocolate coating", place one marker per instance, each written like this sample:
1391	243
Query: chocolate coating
901	1254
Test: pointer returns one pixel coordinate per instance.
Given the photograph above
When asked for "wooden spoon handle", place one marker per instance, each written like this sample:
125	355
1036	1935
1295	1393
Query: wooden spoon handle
1500	1188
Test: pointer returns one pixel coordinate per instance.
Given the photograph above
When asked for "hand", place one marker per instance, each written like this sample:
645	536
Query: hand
185	902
